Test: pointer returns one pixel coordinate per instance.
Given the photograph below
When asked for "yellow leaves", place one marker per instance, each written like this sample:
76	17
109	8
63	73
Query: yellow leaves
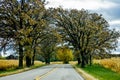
64	54
30	12
77	52
27	18
25	31
21	42
32	22
28	51
38	48
23	35
24	16
26	41
57	35
43	22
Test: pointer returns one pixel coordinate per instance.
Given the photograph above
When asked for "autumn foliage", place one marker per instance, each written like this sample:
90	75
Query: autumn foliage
27	24
64	54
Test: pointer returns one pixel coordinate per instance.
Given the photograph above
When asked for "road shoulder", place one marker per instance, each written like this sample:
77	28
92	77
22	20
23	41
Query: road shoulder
84	74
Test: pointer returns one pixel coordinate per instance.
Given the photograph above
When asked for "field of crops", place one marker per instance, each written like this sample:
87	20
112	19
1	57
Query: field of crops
112	63
12	64
8	64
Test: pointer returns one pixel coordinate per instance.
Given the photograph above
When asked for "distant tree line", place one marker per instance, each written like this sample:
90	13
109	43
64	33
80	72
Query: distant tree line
31	29
103	56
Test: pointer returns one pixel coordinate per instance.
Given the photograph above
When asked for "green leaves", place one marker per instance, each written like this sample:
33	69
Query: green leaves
22	21
87	32
29	24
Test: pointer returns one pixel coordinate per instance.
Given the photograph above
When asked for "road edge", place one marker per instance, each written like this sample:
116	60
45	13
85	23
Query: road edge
84	74
20	70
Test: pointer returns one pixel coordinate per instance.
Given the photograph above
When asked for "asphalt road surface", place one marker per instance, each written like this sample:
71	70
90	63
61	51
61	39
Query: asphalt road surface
50	72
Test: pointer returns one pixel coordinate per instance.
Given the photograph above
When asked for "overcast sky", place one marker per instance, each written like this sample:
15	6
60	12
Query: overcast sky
110	9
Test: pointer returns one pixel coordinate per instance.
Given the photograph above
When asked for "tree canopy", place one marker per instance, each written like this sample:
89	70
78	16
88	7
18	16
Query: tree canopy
88	32
26	25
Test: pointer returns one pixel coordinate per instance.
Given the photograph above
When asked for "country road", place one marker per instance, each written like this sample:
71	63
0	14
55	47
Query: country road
50	72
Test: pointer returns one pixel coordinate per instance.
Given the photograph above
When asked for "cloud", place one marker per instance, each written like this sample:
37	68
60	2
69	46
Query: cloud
113	13
116	1
79	4
114	22
118	47
109	14
115	52
110	9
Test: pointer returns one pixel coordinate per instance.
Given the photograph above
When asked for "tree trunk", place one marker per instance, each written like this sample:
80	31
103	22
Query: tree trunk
78	59
33	58
20	56
86	59
83	60
47	60
28	61
90	59
20	46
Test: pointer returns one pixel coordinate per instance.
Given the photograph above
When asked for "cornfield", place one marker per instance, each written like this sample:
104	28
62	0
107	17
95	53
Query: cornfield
112	63
13	64
8	64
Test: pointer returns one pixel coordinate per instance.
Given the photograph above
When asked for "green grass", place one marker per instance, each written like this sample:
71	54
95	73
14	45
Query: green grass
101	73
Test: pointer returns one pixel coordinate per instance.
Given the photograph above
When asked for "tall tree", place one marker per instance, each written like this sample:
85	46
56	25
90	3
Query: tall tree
85	31
19	19
11	22
49	43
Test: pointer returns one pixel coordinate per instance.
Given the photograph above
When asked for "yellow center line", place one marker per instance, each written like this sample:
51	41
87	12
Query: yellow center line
45	74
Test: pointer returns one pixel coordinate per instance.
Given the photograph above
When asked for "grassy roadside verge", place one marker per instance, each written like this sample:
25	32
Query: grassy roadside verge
15	71
84	74
101	73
